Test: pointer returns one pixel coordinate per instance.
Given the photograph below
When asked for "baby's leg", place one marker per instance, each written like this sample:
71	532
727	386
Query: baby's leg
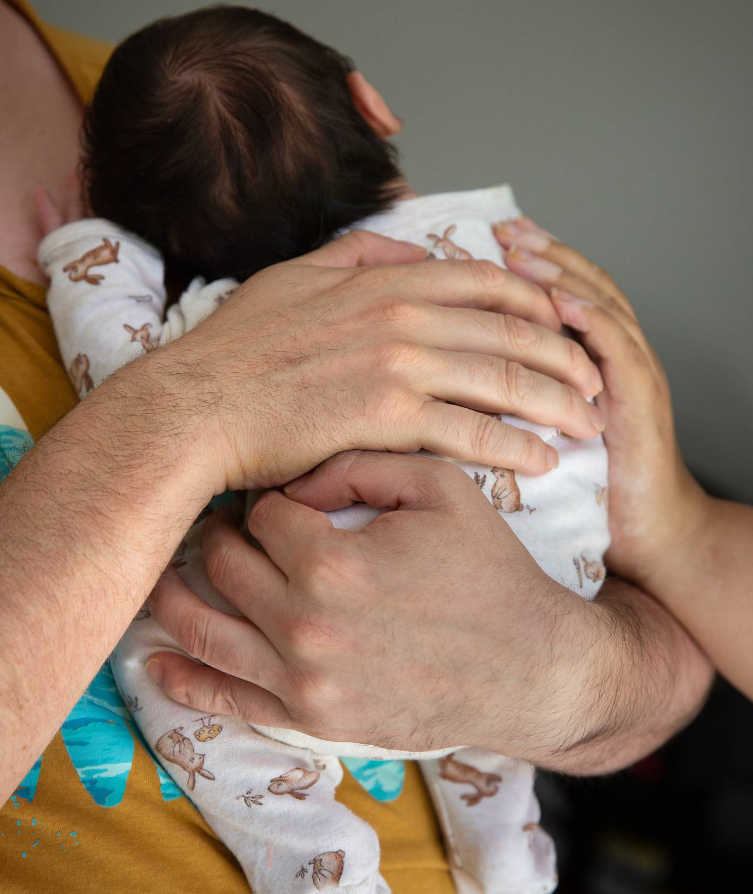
272	804
489	817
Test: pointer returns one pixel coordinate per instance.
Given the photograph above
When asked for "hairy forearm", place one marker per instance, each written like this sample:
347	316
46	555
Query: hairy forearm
707	582
88	520
644	680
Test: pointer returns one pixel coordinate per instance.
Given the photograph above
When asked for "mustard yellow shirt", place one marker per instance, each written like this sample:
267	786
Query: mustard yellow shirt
96	813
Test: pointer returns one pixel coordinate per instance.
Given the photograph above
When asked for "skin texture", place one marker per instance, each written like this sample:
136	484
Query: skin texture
398	636
304	360
40	117
692	552
305	347
318	358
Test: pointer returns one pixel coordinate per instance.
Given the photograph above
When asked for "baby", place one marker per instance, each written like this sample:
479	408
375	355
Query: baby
218	143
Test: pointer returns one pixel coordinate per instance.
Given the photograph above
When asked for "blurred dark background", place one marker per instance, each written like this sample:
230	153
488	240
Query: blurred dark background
625	128
678	822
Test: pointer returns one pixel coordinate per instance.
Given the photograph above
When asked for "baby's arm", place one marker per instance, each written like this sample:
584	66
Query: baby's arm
106	297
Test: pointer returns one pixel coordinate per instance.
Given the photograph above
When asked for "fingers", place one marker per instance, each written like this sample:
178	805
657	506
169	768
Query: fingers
483	285
456	431
290	533
226	642
624	359
383	480
213	692
523	239
472	284
50	216
243	574
514	339
363	249
493	385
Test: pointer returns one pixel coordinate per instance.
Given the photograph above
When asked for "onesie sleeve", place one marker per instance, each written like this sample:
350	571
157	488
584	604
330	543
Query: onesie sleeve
198	301
106	297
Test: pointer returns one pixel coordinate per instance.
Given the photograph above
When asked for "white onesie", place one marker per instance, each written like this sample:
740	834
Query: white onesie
269	794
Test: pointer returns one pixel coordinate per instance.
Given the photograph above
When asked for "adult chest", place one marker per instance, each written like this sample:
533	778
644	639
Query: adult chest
40	117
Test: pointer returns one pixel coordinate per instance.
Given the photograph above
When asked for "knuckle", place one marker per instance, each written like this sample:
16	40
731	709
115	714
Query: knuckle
392	405
521	333
488	438
218	562
516	384
489	275
311	632
318	702
194	635
392	310
328	573
225	699
260	511
397	356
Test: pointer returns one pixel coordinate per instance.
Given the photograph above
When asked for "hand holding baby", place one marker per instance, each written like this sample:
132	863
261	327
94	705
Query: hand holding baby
340	354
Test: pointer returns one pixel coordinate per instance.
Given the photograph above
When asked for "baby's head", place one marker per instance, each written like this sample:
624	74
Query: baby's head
231	141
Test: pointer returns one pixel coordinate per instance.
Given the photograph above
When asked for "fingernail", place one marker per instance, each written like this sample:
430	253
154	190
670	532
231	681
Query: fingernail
552	458
597	417
570	309
539	268
155	670
413	246
598	382
507	228
292	486
534	241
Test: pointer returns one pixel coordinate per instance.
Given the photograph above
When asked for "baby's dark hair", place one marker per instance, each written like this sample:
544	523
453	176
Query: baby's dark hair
228	139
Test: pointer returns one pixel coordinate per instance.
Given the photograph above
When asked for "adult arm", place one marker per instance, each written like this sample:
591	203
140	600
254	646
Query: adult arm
305	359
692	552
431	628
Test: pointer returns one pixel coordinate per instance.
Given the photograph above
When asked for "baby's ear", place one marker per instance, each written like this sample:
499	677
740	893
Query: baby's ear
372	107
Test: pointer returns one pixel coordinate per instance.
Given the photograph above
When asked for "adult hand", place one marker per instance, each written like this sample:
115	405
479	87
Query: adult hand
688	550
432	627
328	353
655	506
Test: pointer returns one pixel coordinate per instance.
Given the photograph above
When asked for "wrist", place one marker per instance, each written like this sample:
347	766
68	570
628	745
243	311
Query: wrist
184	405
680	555
555	668
150	440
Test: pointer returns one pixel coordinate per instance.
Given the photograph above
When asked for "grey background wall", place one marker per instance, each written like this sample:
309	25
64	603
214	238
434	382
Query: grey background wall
624	127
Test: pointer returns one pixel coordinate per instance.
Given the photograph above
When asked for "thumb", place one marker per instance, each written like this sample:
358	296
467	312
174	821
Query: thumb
362	249
383	480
